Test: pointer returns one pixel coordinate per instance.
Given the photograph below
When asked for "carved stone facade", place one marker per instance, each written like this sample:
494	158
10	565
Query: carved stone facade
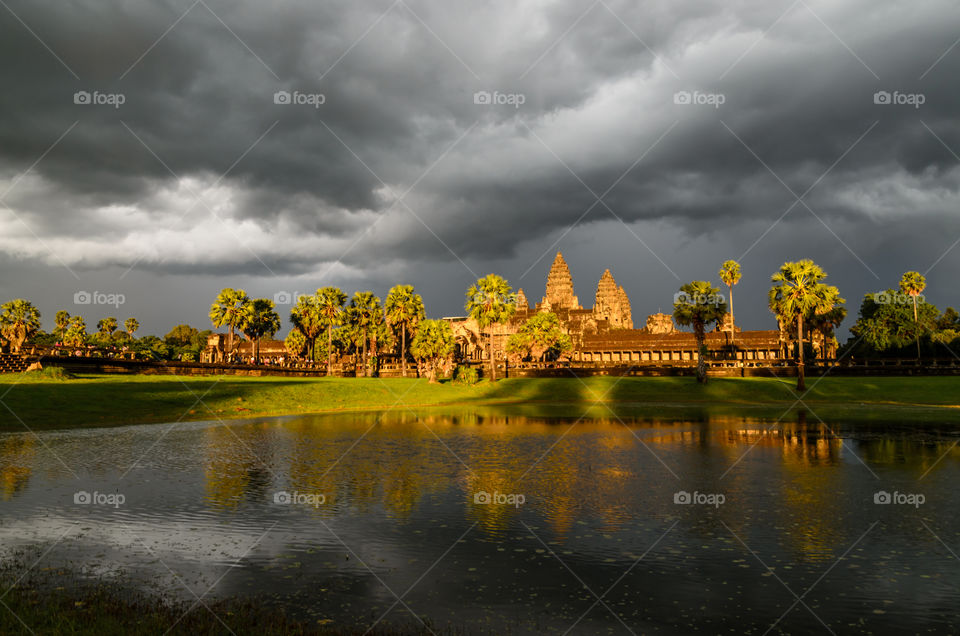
612	303
605	333
660	324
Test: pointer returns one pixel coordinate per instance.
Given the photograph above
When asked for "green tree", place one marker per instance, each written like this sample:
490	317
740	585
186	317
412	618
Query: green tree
913	284
699	305
259	320
107	326
131	325
433	344
490	301
330	301
403	310
730	276
365	314
19	320
63	323
308	319
538	336
797	296
886	321
181	336
295	343
228	309
76	335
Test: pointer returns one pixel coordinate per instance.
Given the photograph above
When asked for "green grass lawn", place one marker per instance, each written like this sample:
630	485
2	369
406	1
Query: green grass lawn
39	402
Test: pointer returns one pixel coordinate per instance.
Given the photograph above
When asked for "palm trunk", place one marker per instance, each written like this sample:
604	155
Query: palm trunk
801	385
733	329
403	350
365	356
329	349
493	366
230	342
701	363
916	326
256	355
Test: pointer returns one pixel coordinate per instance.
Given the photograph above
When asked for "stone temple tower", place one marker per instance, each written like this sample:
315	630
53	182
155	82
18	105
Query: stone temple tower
612	303
559	293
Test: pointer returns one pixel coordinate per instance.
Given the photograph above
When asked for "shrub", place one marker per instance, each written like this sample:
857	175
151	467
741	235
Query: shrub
466	375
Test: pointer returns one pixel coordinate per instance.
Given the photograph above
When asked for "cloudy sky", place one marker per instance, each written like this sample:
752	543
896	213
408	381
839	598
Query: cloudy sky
162	150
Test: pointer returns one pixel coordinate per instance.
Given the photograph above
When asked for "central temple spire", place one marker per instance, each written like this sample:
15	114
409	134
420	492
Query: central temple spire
559	293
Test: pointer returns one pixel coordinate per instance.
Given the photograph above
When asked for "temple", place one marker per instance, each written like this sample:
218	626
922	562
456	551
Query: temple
604	335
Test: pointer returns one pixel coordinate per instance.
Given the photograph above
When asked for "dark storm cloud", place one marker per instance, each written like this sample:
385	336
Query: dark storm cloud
292	189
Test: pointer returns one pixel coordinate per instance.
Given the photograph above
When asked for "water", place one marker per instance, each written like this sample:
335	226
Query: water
391	505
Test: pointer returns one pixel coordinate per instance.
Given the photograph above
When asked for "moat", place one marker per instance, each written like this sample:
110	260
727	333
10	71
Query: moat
510	524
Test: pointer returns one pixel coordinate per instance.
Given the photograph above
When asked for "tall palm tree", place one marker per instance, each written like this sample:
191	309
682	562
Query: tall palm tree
131	325
330	302
913	284
18	321
228	309
730	276
107	326
490	301
404	310
76	335
63	323
699	305
365	314
258	320
797	296
825	324
306	317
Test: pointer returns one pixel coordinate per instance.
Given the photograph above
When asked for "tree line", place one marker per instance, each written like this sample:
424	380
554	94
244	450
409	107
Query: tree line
326	323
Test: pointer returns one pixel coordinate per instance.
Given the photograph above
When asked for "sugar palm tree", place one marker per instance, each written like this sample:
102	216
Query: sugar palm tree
63	323
797	296
490	301
76	335
258	320
131	325
228	309
404	310
107	326
330	303
730	276
699	305
308	320
826	323
913	284
365	314
18	321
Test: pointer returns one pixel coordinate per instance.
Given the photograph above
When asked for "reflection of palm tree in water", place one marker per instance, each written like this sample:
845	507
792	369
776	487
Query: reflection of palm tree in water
16	454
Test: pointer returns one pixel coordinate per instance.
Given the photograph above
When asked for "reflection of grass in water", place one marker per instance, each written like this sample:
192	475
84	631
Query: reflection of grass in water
57	602
110	400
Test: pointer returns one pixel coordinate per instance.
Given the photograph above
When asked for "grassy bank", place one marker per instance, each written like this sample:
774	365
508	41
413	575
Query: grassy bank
42	403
